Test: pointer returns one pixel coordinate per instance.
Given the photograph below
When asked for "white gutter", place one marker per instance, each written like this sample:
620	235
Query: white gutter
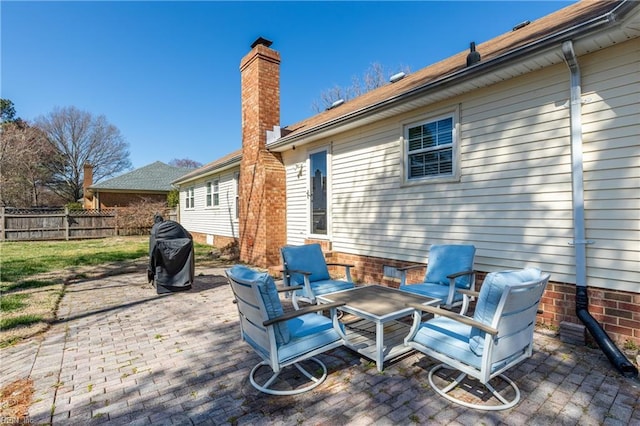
577	170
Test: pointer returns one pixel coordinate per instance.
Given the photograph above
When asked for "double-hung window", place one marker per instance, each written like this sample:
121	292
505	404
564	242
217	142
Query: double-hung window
430	148
236	178
213	193
189	198
216	192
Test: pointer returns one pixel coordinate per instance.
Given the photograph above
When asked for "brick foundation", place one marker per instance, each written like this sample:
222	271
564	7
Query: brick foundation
219	241
617	311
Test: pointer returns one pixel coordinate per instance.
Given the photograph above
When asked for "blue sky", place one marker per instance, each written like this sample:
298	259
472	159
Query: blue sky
167	73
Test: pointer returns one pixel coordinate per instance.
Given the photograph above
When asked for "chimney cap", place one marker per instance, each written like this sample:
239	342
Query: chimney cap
263	41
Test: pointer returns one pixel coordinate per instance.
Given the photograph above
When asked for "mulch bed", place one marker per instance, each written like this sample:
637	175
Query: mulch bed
15	399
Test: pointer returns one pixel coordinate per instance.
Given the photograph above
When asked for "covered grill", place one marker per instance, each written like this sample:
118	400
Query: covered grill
171	256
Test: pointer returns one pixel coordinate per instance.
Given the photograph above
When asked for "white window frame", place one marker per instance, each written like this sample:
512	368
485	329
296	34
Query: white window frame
212	193
310	152
189	198
236	178
453	114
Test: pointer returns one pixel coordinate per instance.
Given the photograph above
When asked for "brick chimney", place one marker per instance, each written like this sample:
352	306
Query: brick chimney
87	181
262	174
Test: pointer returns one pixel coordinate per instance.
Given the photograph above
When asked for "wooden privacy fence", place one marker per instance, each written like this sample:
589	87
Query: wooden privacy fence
65	224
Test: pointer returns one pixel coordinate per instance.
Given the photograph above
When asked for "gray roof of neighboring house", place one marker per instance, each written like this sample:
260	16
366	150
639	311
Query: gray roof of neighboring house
153	177
229	160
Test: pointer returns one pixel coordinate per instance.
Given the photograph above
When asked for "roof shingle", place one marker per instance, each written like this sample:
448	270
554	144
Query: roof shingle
564	19
153	177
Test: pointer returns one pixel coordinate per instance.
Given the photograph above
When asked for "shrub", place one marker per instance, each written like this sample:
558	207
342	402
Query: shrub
137	219
173	198
74	206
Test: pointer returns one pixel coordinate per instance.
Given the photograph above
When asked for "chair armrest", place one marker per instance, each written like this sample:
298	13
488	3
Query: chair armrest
346	265
454	316
403	272
460	274
282	289
347	269
306	310
295	271
470	293
406	268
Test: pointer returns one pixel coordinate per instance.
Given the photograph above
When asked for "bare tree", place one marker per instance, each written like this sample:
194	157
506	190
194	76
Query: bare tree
81	138
25	161
185	162
375	76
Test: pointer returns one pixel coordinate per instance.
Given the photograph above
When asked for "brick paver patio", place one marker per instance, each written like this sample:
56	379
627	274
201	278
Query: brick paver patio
121	354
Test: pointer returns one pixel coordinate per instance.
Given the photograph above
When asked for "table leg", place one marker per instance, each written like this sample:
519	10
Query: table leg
379	345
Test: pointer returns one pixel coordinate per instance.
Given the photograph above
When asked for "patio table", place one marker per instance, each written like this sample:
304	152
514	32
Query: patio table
376	332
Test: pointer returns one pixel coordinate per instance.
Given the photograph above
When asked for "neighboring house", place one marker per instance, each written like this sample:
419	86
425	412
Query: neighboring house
149	183
209	201
531	154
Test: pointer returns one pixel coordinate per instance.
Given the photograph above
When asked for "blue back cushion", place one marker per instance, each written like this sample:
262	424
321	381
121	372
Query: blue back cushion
269	294
448	259
308	258
489	298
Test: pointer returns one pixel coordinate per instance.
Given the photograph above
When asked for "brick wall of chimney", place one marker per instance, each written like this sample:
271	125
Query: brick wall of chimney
262	174
87	181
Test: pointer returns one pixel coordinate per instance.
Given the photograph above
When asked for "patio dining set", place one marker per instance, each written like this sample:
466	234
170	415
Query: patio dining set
382	323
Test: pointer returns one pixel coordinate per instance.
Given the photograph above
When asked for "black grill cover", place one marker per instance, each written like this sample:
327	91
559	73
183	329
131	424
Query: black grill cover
171	257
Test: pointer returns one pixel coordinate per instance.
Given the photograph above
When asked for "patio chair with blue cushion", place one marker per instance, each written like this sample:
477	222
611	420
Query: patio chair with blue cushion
449	269
306	266
498	337
281	339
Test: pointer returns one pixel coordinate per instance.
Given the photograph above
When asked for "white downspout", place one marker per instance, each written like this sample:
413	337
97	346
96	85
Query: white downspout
612	352
577	175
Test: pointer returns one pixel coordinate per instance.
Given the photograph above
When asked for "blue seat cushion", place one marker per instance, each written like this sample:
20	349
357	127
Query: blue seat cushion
451	338
448	337
436	291
308	332
448	259
326	286
308	258
269	294
490	294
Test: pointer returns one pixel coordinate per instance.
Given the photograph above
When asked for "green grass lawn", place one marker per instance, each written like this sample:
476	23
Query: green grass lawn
33	276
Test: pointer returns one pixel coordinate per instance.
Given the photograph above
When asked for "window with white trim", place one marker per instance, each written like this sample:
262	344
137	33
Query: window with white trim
429	146
236	178
189	198
216	192
213	193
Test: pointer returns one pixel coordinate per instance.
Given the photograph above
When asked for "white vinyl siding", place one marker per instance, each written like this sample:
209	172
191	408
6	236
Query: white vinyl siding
513	198
611	147
221	220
